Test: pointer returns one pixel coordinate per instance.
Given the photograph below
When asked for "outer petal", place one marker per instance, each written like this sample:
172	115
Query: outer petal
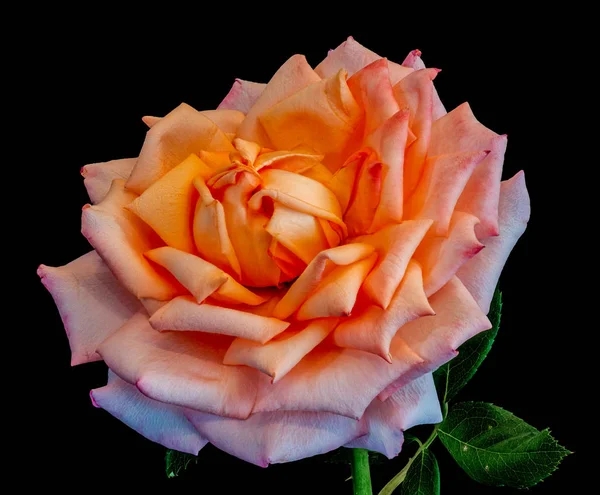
162	423
414	404
91	303
414	61
121	238
180	368
242	96
458	132
481	274
183	313
99	176
172	140
291	77
276	437
227	120
352	57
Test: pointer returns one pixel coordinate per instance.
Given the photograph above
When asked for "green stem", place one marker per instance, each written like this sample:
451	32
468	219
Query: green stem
399	478
361	475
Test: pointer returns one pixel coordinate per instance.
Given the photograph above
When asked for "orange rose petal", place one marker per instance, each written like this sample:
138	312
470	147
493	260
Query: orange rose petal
337	292
242	96
151	120
290	78
333	234
248	150
180	368
198	276
444	179
441	257
121	238
167	205
323	116
459	132
317	269
298	160
395	246
227	120
277	357
215	159
184	314
318	172
170	141
415	92
414	61
352	57
97	177
367	190
343	180
232	292
373	329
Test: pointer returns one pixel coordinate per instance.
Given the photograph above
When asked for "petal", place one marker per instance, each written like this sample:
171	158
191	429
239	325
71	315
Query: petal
172	140
414	61
441	257
459	132
99	176
162	423
323	264
444	179
337	292
278	356
121	238
291	77
365	196
414	404
180	368
415	92
228	120
323	116
395	246
373	329
276	437
242	96
297	161
215	159
91	302
352	57
480	275
183	313
247	150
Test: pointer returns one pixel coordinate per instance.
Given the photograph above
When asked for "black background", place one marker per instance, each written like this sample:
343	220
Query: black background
89	89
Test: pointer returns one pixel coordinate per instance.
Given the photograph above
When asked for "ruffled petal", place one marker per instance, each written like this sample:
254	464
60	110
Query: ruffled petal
278	356
227	120
352	57
159	422
480	275
323	264
395	246
291	77
414	404
414	61
242	96
297	161
323	116
184	314
121	239
168	204
91	302
373	328
180	368
276	437
444	179
172	140
459	132
99	176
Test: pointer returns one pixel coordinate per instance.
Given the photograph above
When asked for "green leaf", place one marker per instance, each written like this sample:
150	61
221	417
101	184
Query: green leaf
176	462
496	448
423	477
454	375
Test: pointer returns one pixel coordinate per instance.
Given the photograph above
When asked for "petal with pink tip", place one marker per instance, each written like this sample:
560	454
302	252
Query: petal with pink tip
99	176
121	238
184	314
91	302
414	404
242	96
276	437
162	423
480	275
180	368
414	61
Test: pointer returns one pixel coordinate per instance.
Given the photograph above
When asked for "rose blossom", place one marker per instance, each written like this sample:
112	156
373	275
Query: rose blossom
280	276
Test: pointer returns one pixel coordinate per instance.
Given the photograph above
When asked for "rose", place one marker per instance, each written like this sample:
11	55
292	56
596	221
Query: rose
281	275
